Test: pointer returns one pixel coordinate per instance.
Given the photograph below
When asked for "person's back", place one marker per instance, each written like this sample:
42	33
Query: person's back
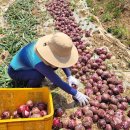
26	58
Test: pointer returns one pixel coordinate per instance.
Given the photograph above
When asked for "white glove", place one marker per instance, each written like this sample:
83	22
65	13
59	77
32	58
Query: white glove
72	80
83	99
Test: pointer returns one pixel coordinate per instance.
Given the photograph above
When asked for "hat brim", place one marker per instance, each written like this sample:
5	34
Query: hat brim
45	53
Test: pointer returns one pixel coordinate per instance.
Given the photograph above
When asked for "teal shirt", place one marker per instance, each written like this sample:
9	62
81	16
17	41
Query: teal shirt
26	58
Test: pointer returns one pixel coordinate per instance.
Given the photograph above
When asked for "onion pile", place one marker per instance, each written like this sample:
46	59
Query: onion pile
107	106
28	110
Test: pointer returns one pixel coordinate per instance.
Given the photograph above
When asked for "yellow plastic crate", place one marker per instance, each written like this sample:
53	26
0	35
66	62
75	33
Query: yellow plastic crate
12	98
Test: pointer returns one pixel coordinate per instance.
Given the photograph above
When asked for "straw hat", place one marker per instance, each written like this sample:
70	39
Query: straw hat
57	49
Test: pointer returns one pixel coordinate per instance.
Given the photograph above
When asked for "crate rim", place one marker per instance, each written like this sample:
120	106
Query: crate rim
47	117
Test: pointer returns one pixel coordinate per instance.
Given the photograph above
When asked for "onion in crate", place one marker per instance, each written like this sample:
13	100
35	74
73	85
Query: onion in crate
35	110
5	115
43	113
25	114
22	108
41	106
30	104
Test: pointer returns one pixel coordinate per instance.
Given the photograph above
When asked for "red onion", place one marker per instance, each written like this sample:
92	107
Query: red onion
79	113
99	85
103	106
108	118
116	123
116	91
103	67
59	112
94	109
56	123
80	127
108	127
95	90
108	55
87	122
35	110
103	57
105	97
16	115
30	104
88	113
102	123
123	106
95	77
101	113
114	100
23	108
89	91
94	103
99	60
110	112
99	98
113	107
43	113
25	114
5	115
95	118
111	86
71	124
105	75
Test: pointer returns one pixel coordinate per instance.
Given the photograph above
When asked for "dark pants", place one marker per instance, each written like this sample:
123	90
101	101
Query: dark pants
32	77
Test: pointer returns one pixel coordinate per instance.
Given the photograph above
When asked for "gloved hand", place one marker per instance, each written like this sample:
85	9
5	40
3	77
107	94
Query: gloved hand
72	80
83	99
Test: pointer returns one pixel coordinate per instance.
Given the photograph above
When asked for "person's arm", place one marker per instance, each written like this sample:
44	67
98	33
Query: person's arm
53	77
71	80
67	71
